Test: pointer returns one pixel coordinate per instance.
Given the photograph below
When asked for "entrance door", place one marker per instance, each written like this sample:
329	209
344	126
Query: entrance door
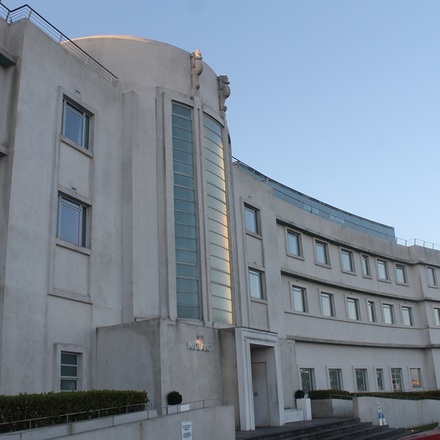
259	387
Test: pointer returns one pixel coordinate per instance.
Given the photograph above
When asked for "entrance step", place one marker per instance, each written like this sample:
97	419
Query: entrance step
324	429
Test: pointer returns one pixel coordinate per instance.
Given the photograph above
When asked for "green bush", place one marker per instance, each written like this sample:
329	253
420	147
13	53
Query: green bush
329	394
174	398
53	408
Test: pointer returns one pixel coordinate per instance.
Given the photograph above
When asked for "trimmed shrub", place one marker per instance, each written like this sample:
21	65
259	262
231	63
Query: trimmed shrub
54	408
174	398
329	394
299	394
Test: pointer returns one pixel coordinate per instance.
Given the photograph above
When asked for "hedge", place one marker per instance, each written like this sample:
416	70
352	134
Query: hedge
341	394
35	410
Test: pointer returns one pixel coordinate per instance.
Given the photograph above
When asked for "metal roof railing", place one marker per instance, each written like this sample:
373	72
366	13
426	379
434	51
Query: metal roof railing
27	13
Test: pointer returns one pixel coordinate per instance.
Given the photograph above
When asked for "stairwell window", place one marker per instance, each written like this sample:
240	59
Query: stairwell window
71	222
75	124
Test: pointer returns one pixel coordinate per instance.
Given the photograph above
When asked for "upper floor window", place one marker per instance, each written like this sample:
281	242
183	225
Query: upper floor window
256	284
75	124
71	222
251	218
366	271
401	274
382	270
294	243
407	316
347	261
353	308
371	307
432	276
321	253
436	316
299	299
327	304
388	313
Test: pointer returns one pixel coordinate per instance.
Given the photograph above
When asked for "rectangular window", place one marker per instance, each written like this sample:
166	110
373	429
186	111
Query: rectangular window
71	222
396	378
335	378
366	271
69	371
407	316
436	316
256	284
382	270
416	377
401	274
251	219
294	243
388	313
380	379
371	307
353	308
361	379
75	124
432	276
299	299
327	305
347	261
307	379
321	253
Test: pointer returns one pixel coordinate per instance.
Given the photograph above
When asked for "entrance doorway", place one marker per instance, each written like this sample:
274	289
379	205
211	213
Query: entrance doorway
260	386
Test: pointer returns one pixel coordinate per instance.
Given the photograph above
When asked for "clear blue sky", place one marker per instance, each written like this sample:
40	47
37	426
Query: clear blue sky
339	99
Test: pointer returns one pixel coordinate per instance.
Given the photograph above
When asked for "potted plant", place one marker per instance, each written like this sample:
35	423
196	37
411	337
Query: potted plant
174	400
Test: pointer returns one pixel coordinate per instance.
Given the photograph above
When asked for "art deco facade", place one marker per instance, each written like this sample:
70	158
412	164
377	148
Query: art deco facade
136	253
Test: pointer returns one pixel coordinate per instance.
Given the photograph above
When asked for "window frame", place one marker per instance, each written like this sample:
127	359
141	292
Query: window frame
83	140
311	378
380	374
253	214
407	313
432	270
366	267
353	302
415	380
364	376
331	302
302	291
260	274
82	221
298	241
436	311
395	384
390	307
371	311
382	263
338	377
351	266
68	378
326	255
401	269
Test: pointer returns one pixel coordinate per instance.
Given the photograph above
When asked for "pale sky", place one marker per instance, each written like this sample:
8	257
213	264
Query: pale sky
338	99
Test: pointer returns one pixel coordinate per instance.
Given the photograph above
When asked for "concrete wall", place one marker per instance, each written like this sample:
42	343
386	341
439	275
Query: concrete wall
213	423
398	413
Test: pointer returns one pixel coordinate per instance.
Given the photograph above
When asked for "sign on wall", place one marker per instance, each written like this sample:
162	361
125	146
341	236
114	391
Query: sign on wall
187	431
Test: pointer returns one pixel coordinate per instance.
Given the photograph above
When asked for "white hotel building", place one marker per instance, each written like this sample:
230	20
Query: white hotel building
135	253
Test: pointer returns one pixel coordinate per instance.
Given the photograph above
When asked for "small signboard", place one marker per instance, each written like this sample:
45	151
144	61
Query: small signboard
187	431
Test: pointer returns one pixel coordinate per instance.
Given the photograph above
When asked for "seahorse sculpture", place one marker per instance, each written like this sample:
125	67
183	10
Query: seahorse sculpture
223	91
196	68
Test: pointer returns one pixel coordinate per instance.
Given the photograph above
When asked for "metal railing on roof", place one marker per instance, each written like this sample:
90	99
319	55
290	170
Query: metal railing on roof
327	212
27	13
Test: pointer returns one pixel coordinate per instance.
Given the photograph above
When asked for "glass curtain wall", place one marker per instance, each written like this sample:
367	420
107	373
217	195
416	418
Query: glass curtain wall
218	233
185	218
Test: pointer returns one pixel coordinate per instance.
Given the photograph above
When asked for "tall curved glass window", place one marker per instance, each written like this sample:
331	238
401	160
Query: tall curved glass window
185	219
218	233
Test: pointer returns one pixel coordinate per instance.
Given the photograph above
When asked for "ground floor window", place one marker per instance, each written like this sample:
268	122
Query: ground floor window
396	378
307	379
379	379
69	371
416	377
335	378
361	379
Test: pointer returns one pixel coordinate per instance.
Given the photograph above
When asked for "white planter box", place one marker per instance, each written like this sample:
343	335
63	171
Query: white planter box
306	407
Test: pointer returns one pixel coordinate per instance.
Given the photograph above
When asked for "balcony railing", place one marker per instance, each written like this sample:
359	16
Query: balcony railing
27	13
